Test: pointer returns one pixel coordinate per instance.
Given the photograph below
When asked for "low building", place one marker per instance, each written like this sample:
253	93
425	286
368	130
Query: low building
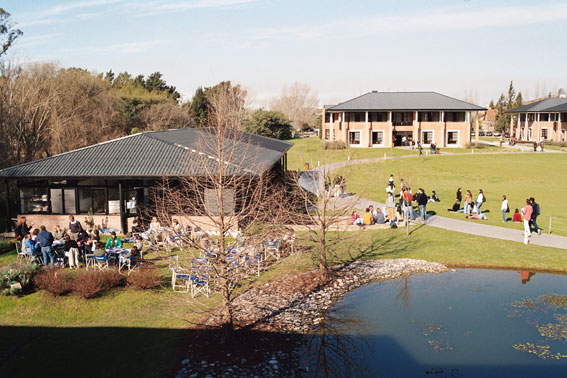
112	180
384	119
540	121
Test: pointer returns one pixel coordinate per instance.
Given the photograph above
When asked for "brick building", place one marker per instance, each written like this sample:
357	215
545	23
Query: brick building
540	121
383	119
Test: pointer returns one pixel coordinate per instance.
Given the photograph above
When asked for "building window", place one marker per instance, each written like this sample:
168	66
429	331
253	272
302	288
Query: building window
354	137
544	117
563	117
529	133
212	204
33	200
335	117
454	116
377	137
426	137
402	118
327	133
378	117
56	201
428	116
452	137
327	117
543	135
69	201
92	200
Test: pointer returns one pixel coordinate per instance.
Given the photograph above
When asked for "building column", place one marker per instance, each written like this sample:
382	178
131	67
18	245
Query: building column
416	126
368	130
123	223
388	138
332	126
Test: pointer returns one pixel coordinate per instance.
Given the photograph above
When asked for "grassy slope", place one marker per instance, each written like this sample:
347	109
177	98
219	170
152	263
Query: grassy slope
518	176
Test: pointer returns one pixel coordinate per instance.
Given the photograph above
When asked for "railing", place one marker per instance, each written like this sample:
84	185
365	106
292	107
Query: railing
402	123
557	224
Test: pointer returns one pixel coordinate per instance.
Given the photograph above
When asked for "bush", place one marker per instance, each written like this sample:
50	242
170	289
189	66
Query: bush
145	278
89	284
17	278
334	145
55	281
6	246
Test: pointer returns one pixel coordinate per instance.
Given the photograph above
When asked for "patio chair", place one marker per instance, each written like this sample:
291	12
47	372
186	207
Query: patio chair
173	262
199	280
272	248
127	262
254	263
100	262
180	279
23	254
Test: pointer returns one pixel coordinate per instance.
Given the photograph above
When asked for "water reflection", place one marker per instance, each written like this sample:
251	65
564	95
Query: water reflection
338	347
525	276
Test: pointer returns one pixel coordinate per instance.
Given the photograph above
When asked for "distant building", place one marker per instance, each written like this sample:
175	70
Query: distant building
383	119
488	119
544	120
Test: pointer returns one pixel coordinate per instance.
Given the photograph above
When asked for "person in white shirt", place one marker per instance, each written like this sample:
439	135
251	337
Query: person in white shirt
479	201
504	208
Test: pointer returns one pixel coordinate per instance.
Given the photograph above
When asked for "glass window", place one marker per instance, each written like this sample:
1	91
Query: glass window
327	133
452	137
377	137
427	137
33	200
56	201
543	134
211	201
69	200
99	201
327	117
354	137
85	200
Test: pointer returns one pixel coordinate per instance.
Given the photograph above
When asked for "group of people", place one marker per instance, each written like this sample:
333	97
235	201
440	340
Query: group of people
335	187
397	211
472	208
74	241
528	214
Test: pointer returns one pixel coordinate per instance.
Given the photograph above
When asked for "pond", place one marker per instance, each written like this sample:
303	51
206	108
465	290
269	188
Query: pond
468	323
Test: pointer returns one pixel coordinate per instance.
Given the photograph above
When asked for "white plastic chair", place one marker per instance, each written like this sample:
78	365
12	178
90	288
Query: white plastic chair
180	279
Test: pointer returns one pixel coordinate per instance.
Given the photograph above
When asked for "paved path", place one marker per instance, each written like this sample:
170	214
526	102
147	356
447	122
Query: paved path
312	181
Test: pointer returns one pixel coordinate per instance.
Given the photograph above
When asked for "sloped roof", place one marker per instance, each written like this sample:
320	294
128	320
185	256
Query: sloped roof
404	101
158	153
553	104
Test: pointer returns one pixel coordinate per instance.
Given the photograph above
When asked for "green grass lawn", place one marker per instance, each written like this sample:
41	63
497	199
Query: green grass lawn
518	176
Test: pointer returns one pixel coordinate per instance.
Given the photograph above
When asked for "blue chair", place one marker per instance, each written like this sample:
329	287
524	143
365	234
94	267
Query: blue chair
100	262
178	275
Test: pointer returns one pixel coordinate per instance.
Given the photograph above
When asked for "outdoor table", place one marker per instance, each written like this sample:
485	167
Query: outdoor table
113	253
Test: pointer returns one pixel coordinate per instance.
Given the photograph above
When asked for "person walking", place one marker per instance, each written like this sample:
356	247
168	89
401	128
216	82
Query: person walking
536	211
420	148
45	239
468	202
479	201
527	212
504	208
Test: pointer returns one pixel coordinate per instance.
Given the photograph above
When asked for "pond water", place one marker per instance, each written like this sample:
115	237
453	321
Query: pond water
468	323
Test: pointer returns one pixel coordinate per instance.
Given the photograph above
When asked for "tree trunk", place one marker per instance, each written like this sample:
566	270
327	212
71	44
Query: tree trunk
323	268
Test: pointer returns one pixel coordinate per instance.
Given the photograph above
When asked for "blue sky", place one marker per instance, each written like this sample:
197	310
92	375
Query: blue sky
341	48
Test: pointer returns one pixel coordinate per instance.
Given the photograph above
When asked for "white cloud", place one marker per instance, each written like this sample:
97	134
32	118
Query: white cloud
53	15
26	42
129	47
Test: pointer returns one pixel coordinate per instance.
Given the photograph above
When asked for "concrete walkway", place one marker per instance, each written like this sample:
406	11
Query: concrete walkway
313	181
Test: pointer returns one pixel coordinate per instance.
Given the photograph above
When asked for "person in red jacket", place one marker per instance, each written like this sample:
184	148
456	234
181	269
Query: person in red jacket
517	217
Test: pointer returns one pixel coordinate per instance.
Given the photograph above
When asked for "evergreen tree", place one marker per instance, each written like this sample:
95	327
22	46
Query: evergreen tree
8	34
271	124
491	105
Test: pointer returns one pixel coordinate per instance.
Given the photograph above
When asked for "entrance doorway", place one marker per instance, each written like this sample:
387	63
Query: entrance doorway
402	138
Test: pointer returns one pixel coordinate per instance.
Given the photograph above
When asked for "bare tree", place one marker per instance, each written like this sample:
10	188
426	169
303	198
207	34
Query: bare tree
232	190
165	115
299	103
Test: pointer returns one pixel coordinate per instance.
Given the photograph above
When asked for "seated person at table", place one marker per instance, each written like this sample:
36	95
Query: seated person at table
139	243
136	227
134	252
99	251
72	252
32	246
517	217
82	235
113	242
58	233
379	218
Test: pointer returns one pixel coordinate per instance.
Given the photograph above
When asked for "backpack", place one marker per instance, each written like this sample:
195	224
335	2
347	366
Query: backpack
538	210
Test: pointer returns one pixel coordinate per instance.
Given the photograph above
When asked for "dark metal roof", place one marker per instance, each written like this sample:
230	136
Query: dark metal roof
404	101
554	104
159	153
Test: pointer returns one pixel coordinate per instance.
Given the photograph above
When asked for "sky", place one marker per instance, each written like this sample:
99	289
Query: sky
342	49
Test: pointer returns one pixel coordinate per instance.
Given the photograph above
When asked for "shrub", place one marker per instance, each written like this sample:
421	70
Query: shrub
334	145
89	284
6	246
145	278
17	278
55	281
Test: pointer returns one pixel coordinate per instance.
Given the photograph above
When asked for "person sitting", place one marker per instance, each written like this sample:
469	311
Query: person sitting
134	253
177	228
113	242
480	216
58	233
136	227
434	197
379	218
517	217
367	217
72	252
139	243
99	251
32	246
356	220
456	206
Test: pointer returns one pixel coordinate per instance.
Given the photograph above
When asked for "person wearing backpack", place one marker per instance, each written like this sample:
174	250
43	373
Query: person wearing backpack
479	201
536	211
